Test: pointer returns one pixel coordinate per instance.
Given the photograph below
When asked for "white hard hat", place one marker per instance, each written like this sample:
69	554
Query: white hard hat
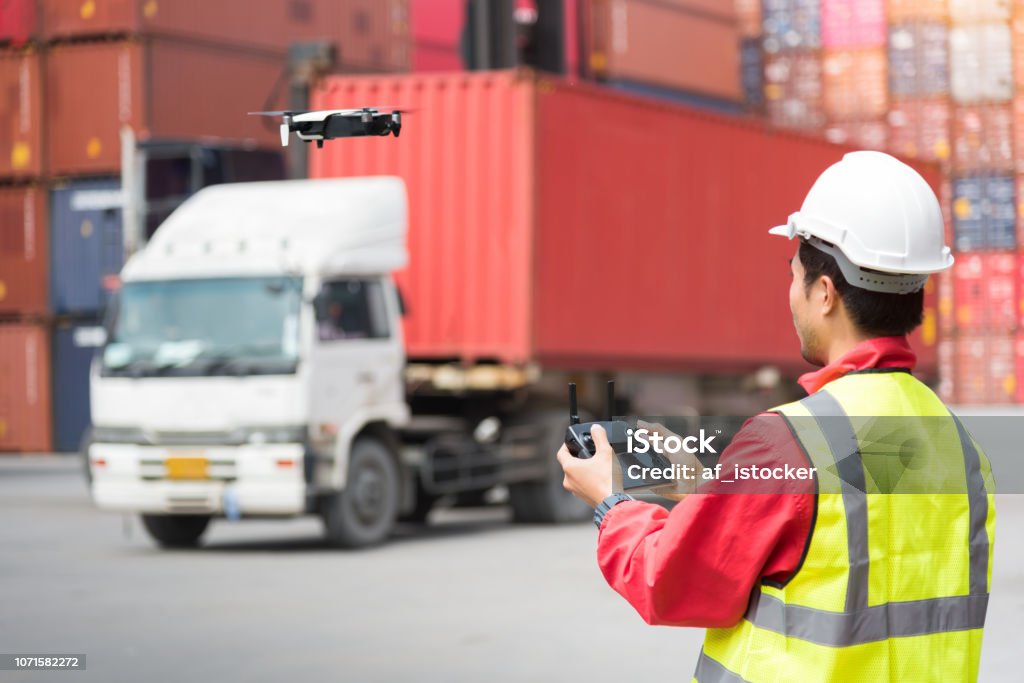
872	211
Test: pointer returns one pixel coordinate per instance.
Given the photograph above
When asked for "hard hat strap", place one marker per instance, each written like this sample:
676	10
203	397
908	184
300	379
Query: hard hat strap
871	280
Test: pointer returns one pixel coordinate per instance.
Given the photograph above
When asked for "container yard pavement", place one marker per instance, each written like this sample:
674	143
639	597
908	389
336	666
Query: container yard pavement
472	598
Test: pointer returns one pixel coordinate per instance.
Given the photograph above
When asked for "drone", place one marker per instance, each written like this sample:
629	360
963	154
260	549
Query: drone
328	124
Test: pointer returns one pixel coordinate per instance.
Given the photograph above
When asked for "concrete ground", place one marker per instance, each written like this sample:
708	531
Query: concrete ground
471	598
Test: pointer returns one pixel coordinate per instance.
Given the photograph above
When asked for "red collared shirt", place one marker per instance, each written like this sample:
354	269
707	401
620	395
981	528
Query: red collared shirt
697	565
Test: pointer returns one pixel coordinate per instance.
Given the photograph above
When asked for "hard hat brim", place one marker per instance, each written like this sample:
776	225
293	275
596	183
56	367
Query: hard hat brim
781	231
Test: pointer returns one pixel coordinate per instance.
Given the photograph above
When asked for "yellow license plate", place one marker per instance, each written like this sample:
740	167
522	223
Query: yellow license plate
187	468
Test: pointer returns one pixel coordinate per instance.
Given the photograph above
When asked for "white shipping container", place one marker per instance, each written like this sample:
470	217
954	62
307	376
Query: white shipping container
965	11
981	63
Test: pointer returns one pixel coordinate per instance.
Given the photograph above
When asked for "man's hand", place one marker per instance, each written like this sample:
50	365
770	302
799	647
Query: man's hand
590	480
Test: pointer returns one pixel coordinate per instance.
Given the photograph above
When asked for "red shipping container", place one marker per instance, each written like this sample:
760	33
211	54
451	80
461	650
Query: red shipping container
159	88
971	371
749	14
497	204
21	115
24	253
1001	369
985	291
437	22
25	390
909	10
793	91
947	362
432	59
18	21
920	129
372	34
856	84
658	44
983	138
1019	367
853	23
859	134
946	302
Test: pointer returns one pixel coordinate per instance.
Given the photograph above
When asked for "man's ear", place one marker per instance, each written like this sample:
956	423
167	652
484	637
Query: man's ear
829	294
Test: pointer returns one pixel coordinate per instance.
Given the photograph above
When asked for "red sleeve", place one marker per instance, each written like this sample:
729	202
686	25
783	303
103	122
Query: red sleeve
697	565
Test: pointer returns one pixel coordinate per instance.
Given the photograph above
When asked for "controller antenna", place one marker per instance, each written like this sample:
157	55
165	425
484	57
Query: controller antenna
574	413
609	407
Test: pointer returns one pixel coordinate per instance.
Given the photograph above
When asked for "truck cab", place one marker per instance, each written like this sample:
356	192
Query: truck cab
254	363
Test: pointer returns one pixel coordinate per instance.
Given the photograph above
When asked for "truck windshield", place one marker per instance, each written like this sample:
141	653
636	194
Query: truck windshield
234	326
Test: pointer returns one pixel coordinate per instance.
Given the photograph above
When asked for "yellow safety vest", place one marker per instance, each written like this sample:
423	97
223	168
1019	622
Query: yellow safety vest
894	583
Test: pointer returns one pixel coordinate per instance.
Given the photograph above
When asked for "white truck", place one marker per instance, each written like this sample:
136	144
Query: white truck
254	367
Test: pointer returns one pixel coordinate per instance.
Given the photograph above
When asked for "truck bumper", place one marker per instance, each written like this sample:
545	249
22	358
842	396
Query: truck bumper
264	480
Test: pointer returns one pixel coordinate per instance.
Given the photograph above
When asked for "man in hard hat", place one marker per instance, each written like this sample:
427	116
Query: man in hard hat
841	578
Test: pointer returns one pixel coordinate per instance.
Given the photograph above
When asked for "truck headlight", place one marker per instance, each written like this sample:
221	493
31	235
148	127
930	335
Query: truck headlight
262	435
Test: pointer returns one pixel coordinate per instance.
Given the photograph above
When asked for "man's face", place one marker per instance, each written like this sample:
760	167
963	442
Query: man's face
805	318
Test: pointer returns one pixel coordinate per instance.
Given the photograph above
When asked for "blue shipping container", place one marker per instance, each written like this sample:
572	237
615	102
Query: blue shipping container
791	25
919	59
752	72
87	246
73	349
984	213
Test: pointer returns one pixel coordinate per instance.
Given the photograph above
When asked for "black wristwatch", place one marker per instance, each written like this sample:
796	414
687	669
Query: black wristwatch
607	504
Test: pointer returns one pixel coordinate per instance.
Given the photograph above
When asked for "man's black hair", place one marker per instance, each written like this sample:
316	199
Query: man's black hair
877	314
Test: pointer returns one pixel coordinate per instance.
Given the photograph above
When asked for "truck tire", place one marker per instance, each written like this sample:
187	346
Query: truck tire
546	501
175	531
365	512
83	451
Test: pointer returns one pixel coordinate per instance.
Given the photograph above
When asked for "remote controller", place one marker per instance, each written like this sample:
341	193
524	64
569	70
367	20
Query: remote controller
581	444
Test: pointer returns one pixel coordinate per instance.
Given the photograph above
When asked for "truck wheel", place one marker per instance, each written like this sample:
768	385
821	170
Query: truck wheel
365	512
83	450
176	531
545	501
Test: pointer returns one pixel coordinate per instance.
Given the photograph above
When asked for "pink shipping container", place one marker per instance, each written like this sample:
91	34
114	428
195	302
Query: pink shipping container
855	84
368	33
853	23
21	115
920	128
496	204
793	91
24	253
911	10
657	44
18	21
159	88
25	424
983	138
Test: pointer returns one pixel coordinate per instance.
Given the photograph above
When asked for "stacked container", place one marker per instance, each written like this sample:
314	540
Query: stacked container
75	74
935	80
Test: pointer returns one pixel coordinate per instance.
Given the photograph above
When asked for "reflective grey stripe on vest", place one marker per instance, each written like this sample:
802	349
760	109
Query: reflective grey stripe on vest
978	499
845	447
710	671
859	623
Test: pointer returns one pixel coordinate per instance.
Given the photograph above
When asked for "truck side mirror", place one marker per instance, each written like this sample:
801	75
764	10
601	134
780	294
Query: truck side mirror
403	309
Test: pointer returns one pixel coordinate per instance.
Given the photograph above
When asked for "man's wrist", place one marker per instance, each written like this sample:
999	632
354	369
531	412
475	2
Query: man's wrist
607	504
